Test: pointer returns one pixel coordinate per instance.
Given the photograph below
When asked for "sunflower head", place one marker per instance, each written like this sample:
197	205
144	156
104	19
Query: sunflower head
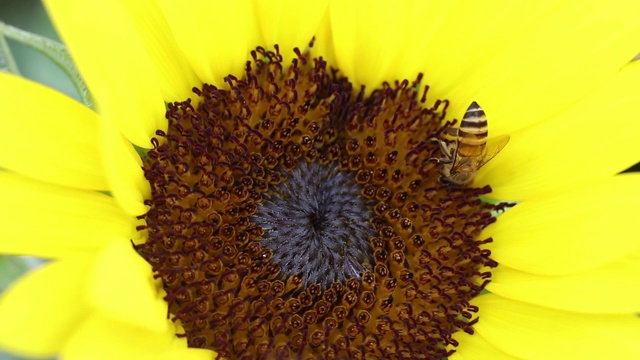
292	216
286	212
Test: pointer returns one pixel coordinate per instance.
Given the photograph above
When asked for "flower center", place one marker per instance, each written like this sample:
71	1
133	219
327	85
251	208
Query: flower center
293	217
317	225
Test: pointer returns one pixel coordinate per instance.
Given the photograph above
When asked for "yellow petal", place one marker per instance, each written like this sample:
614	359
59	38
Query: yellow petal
323	45
49	221
611	289
215	36
114	62
368	37
593	139
175	76
289	23
444	43
102	338
122	287
124	171
594	39
53	140
42	309
569	233
512	57
474	347
533	332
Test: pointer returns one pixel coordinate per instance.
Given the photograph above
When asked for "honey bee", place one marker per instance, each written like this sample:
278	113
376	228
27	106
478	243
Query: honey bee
470	151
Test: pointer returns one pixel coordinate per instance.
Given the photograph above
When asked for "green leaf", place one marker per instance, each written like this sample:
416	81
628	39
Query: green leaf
53	50
7	62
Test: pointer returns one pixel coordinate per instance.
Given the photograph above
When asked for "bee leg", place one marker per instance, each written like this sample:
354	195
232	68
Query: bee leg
440	161
447	148
443	178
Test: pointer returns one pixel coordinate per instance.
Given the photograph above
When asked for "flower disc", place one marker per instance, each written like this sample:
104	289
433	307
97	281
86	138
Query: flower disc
294	217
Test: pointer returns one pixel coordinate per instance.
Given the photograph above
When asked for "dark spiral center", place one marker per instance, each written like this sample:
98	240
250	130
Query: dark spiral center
316	223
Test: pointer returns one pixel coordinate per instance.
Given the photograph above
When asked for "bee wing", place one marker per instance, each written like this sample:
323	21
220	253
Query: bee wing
493	147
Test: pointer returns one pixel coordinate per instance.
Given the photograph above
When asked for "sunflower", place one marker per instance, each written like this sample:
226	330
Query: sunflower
288	201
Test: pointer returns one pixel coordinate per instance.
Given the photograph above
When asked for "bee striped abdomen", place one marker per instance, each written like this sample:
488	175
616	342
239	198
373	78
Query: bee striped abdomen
473	132
471	150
